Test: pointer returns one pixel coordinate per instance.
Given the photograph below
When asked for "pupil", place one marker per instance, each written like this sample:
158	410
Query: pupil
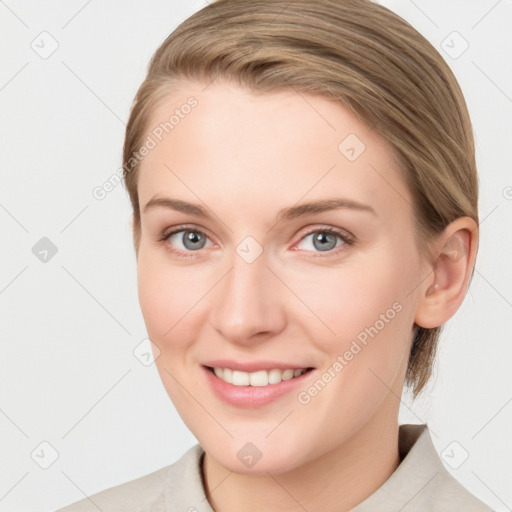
326	241
192	240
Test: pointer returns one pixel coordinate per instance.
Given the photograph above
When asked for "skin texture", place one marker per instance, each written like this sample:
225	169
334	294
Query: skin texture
244	156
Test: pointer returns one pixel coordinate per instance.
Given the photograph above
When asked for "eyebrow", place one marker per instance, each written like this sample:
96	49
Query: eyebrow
294	212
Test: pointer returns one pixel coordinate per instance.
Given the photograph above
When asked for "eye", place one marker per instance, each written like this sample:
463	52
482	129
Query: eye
325	240
186	240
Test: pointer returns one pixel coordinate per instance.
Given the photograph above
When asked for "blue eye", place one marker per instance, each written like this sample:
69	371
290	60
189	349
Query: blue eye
186	241
325	240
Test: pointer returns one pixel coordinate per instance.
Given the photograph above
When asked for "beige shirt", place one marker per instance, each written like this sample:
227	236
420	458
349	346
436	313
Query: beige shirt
420	484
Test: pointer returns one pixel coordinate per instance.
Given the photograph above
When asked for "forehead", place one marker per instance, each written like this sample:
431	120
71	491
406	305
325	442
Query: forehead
229	143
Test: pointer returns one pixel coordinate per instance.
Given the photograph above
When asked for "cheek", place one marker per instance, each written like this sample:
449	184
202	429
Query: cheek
351	300
381	334
171	302
170	298
370	313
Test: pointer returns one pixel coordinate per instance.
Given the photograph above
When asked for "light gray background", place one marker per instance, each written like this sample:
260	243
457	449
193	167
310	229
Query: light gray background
70	379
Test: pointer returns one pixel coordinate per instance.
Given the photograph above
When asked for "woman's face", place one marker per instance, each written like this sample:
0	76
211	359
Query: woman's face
279	235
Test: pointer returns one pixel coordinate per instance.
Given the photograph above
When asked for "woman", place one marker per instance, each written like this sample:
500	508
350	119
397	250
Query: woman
304	195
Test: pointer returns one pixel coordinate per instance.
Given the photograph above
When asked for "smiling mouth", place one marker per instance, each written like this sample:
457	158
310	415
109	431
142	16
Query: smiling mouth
258	378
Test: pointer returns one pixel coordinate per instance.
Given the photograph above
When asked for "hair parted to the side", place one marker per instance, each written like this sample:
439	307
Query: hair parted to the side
356	52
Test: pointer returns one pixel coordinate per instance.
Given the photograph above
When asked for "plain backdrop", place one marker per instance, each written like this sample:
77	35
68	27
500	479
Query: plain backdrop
80	408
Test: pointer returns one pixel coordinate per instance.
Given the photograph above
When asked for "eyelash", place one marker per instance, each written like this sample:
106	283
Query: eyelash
348	240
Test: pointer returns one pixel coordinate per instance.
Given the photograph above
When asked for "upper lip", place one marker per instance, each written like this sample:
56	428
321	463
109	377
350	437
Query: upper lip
252	366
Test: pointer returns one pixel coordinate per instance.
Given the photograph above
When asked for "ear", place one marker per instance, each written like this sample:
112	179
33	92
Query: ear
454	254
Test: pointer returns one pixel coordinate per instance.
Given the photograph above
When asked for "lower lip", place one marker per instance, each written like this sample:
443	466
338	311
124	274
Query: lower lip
251	397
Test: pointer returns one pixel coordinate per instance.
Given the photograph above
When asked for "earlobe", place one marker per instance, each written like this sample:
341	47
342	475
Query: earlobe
454	257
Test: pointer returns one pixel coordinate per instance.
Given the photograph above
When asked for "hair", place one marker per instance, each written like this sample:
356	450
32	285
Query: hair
361	55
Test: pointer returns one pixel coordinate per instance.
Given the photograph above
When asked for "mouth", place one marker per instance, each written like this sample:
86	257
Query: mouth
258	378
253	384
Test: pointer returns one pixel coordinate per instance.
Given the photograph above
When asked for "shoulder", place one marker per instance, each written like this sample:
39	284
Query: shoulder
439	489
132	495
447	494
147	493
421	482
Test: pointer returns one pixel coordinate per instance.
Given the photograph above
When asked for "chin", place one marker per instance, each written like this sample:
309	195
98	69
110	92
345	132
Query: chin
256	458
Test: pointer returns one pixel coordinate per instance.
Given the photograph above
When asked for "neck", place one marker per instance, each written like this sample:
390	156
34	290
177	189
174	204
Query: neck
336	481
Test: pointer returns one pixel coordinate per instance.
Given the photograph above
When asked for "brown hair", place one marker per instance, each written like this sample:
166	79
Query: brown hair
356	52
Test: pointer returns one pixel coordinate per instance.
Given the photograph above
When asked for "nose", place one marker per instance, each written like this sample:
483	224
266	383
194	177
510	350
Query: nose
248	303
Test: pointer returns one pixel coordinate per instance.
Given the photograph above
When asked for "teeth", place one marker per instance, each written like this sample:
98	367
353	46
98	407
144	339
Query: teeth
274	376
240	378
287	374
259	378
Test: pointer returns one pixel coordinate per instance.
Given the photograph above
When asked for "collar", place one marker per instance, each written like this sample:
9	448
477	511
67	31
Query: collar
420	483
